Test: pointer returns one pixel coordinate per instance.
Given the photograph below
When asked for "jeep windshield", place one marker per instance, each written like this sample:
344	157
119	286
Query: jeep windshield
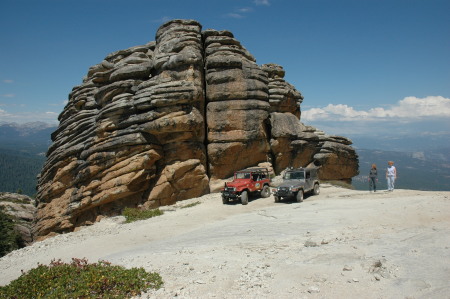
294	175
242	175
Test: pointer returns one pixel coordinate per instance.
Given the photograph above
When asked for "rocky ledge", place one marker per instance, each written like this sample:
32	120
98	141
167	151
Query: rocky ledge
169	120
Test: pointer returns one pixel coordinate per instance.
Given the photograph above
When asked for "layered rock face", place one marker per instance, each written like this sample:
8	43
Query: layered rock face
166	121
132	133
237	106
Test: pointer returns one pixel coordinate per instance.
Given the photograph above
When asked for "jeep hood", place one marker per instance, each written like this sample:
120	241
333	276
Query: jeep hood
292	183
238	184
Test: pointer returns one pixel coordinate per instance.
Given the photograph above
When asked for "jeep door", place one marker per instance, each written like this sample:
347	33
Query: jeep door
308	181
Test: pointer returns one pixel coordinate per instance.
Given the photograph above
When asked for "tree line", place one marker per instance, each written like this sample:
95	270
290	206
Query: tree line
18	173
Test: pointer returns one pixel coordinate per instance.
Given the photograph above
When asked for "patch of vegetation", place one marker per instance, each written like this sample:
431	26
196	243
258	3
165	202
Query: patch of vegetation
134	214
10	239
79	279
191	205
16	200
19	172
12	208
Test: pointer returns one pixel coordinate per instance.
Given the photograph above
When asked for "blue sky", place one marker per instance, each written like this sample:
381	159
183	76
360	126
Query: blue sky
371	67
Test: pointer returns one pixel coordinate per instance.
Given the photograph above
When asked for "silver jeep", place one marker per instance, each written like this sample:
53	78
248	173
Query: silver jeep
297	182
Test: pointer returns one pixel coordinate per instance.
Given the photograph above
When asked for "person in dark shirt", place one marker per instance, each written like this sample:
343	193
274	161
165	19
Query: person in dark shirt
373	178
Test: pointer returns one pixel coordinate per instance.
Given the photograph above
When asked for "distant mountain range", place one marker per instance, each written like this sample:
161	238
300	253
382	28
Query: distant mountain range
423	163
30	138
427	170
403	143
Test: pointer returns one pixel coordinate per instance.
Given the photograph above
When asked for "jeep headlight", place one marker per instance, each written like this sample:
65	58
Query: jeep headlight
274	190
293	189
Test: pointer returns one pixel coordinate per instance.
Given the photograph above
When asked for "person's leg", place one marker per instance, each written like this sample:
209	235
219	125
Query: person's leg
391	183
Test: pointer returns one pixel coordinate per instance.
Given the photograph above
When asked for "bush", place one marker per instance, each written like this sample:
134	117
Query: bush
133	214
10	239
81	280
190	205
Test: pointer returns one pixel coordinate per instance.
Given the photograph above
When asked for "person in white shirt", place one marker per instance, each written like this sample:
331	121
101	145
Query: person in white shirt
391	175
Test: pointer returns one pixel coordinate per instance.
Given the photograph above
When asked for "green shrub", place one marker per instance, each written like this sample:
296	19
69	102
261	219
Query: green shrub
81	280
191	205
133	214
10	239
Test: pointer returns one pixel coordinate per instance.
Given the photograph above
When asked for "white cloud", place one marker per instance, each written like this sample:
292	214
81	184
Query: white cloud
24	117
8	95
5	116
241	13
235	15
410	108
8	81
245	9
261	2
411	116
427	107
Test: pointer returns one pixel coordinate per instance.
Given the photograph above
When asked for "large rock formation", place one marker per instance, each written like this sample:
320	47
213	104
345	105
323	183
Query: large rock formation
166	121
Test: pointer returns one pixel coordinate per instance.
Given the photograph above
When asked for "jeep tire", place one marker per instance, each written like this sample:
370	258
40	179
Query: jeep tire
265	192
224	200
244	197
277	199
316	189
299	196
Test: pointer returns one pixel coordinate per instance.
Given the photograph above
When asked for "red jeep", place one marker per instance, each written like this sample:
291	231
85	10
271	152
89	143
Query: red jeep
250	180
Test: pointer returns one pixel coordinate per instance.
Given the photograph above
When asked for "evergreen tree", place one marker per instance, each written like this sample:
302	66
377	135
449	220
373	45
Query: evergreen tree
9	238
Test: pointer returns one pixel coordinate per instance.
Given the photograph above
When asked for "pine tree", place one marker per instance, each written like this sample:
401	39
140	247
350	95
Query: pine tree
9	239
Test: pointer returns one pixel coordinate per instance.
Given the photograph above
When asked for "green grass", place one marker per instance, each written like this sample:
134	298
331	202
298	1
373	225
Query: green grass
191	205
18	201
10	239
79	279
133	214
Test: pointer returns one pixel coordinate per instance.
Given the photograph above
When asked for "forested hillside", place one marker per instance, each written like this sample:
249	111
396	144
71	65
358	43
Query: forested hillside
22	155
19	171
